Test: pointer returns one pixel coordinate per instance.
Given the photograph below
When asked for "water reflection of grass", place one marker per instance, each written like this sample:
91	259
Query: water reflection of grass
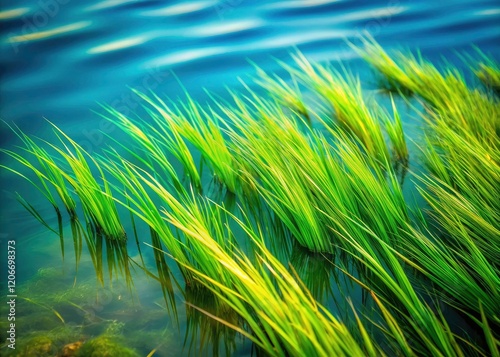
331	180
203	329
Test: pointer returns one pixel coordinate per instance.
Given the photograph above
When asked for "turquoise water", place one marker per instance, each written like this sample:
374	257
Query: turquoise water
60	58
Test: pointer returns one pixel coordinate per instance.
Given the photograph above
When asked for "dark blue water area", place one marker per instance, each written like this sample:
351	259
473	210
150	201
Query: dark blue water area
59	62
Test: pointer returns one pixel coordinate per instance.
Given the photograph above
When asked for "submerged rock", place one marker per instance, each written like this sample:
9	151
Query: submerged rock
39	346
105	346
70	349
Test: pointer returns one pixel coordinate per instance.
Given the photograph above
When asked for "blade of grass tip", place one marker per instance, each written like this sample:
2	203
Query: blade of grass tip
397	331
45	191
34	212
45	307
97	240
76	232
134	229
366	338
61	233
492	342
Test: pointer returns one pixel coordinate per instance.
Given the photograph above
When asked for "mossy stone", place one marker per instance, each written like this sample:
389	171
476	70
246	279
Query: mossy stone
39	346
105	346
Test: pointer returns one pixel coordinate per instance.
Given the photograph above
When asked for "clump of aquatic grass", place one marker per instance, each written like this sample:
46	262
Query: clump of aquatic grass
193	123
247	288
425	331
460	259
463	276
464	180
300	174
195	216
394	129
289	201
182	210
351	111
446	93
490	76
389	86
462	191
458	215
263	292
466	165
488	73
284	93
46	169
148	149
140	202
460	254
203	131
97	201
395	75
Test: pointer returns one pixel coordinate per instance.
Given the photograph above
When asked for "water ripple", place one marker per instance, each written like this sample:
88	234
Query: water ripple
489	12
180	9
13	13
384	12
119	44
303	38
299	4
342	17
41	35
184	56
227	27
106	4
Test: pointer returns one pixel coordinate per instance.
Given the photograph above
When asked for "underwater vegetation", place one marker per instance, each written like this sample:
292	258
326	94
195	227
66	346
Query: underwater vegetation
79	319
84	318
279	201
488	73
104	346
